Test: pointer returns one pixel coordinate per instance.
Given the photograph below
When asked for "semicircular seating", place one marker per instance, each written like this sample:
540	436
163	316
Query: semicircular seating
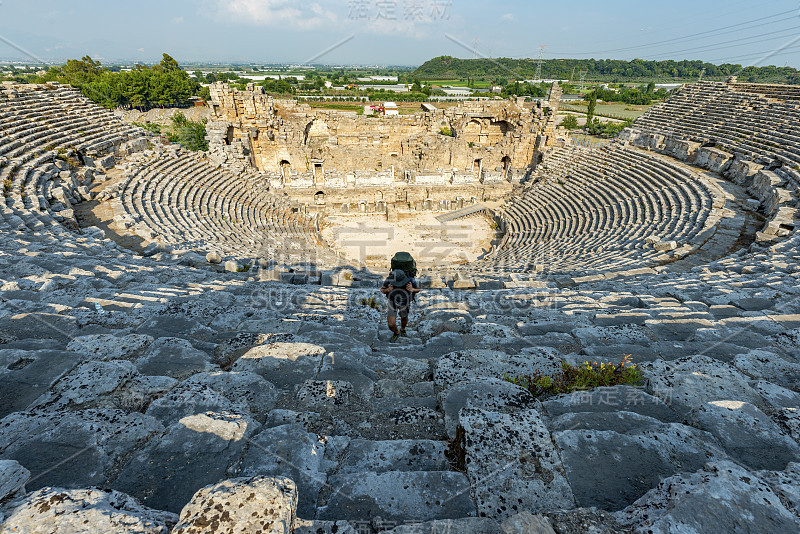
39	126
185	202
598	211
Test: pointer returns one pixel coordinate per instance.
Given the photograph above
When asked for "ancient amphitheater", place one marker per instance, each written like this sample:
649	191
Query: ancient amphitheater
182	351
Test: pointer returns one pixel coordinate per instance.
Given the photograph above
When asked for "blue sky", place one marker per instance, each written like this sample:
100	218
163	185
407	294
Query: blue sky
401	32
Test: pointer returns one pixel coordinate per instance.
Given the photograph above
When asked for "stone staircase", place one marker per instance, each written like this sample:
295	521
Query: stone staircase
172	386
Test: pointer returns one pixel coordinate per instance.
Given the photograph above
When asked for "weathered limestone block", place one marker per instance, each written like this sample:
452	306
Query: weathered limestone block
747	434
306	526
86	385
40	441
664	246
767	188
742	171
292	452
241	506
610	399
233	266
690	382
464	366
681	149
30	373
649	140
775	199
192	453
527	523
243	388
784	220
629	135
786	485
721	498
512	463
613	457
56	510
174	357
12	478
191	398
283	364
467	525
394	455
713	159
493	394
399	496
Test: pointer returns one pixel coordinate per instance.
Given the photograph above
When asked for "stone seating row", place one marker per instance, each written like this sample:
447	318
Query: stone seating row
39	118
187	203
599	214
736	118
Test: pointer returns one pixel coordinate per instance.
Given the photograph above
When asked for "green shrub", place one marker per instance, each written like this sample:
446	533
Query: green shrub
188	133
446	131
574	378
150	127
570	122
371	302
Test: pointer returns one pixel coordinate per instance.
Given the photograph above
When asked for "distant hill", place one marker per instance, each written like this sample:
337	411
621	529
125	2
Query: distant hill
607	70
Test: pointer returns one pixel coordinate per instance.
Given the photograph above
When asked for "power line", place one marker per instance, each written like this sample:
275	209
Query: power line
755	55
737	42
684	38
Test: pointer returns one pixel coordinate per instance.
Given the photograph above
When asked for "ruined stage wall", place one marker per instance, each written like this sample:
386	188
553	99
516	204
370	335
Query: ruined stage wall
491	139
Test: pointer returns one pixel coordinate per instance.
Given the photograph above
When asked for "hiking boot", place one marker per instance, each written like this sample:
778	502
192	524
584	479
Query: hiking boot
394	338
403	333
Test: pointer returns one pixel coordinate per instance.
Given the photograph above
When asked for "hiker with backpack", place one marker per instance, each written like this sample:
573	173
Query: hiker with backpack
401	287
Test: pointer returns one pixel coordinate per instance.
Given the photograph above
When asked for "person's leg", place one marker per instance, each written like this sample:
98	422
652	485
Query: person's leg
392	320
403	320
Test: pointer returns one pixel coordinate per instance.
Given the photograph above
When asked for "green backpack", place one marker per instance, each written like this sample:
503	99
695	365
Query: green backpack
405	262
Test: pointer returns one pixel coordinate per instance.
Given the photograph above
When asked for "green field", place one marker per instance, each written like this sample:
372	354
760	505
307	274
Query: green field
611	109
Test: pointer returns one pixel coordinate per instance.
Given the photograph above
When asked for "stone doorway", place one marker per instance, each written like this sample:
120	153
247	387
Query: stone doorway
286	171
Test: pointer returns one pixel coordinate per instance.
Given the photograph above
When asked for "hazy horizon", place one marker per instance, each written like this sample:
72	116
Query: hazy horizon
402	33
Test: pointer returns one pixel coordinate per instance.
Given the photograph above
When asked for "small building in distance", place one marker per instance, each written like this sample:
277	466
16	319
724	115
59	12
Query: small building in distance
456	91
390	108
429	108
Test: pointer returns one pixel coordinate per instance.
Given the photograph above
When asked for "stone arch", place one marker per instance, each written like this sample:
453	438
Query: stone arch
495	131
472	131
316	128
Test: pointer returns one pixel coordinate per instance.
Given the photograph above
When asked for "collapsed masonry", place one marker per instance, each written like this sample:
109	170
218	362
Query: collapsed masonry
471	152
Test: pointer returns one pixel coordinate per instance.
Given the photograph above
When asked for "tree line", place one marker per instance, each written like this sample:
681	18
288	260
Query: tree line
143	87
609	70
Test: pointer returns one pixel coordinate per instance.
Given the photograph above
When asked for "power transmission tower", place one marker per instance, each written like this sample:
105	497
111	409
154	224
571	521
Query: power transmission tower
583	75
572	76
538	75
702	71
475	48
